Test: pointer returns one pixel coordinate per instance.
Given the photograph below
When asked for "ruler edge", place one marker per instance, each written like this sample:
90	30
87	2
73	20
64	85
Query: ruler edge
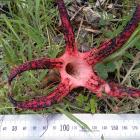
78	115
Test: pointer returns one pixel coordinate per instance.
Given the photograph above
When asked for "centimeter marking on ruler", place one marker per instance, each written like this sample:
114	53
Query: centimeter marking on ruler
40	127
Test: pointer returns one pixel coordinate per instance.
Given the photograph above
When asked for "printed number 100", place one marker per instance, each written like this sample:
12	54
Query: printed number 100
64	127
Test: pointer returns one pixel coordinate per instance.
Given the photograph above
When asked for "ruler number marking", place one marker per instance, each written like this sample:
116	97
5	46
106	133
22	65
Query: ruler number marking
124	127
64	127
135	127
114	127
94	127
14	128
24	128
104	127
4	128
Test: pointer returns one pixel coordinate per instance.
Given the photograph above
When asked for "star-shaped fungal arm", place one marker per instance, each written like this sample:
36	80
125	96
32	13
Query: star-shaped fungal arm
67	28
120	91
105	49
100	87
45	101
43	63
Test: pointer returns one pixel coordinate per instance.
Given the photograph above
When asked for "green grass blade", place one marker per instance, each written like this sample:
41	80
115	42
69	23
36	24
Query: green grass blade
75	119
37	7
10	27
10	56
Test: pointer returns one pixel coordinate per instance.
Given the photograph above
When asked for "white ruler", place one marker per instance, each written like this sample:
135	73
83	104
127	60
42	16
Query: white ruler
58	126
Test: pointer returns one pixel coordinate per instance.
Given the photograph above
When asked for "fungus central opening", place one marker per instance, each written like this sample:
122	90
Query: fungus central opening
70	69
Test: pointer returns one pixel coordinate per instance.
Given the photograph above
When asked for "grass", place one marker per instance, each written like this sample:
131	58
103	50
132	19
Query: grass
30	30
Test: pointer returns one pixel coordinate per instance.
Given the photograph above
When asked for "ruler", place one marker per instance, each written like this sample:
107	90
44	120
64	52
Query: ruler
58	126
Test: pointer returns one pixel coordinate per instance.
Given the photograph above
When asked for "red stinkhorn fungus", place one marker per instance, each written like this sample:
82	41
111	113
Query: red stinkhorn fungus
76	67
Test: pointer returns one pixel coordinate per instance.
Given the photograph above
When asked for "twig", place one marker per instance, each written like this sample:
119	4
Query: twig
136	60
79	28
77	13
